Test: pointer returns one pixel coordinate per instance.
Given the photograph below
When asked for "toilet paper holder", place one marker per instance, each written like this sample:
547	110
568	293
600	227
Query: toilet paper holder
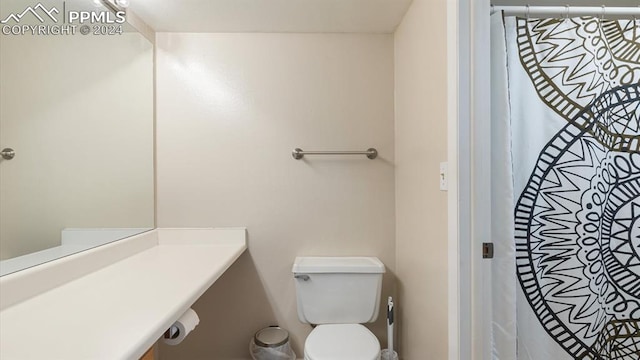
181	328
172	332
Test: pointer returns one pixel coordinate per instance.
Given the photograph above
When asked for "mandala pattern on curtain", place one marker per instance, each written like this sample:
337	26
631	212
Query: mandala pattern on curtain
577	222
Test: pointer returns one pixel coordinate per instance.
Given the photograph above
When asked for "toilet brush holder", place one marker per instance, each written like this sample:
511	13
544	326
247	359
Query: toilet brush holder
388	355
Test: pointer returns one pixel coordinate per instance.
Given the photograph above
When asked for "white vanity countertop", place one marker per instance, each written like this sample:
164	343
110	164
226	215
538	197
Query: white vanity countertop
120	310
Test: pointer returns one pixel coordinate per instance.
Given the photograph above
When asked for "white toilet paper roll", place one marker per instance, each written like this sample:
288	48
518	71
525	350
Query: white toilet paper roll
181	328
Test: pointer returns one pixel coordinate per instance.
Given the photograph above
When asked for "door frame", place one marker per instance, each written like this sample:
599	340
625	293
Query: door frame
469	154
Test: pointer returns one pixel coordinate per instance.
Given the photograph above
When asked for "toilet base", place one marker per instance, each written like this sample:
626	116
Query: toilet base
341	342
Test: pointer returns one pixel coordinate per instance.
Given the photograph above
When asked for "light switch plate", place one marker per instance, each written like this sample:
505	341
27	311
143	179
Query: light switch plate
444	181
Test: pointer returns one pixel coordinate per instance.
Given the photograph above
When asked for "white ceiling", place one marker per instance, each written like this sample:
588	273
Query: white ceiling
360	16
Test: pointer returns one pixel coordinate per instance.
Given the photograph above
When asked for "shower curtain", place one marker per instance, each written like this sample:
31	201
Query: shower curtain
565	188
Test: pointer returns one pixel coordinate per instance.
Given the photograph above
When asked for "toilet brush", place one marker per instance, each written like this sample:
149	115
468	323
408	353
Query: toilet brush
388	353
390	324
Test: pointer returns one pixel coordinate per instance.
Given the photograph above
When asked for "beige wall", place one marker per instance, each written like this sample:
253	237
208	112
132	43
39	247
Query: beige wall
231	108
78	110
421	209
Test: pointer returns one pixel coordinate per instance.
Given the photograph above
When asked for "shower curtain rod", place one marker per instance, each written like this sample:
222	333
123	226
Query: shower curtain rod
567	10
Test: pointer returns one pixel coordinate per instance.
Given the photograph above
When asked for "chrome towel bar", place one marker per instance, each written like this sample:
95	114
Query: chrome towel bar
298	153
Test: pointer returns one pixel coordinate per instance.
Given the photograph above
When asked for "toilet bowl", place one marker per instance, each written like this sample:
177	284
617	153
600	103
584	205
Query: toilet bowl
338	294
341	342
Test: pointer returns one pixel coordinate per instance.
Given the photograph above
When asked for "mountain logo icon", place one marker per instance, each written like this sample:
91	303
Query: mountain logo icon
39	11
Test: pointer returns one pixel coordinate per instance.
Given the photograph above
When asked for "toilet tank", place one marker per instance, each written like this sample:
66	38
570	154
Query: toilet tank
338	290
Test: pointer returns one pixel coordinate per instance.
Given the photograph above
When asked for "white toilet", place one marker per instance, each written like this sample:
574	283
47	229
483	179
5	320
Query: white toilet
338	294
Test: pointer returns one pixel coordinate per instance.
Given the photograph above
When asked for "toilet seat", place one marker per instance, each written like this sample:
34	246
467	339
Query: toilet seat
341	342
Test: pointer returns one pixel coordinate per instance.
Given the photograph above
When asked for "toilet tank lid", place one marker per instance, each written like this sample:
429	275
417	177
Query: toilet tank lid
345	265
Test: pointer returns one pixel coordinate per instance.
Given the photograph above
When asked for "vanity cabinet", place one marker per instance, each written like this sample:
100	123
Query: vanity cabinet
148	355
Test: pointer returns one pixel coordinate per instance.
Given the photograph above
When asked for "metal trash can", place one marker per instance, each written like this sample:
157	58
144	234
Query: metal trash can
271	343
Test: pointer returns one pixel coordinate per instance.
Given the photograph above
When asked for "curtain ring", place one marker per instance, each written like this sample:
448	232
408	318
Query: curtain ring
528	11
566	14
604	8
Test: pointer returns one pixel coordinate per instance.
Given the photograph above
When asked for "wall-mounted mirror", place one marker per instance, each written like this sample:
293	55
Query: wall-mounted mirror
76	118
